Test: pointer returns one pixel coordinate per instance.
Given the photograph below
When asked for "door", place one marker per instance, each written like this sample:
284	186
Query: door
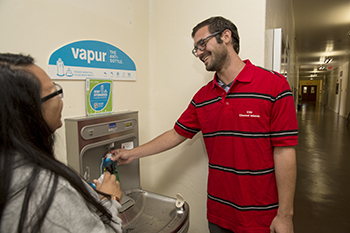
309	93
340	98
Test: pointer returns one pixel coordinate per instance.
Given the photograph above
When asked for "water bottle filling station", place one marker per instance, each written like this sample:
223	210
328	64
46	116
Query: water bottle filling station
90	138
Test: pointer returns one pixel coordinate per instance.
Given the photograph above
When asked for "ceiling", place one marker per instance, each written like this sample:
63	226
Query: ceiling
321	28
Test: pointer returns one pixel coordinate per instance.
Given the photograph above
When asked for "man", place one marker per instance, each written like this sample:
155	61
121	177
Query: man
248	120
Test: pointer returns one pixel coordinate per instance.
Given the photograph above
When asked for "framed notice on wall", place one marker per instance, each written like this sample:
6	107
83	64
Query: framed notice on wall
98	96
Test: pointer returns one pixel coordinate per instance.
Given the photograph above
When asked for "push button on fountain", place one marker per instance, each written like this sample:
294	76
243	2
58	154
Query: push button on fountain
91	132
180	201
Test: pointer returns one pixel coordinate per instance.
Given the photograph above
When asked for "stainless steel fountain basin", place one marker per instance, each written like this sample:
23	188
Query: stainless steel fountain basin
154	213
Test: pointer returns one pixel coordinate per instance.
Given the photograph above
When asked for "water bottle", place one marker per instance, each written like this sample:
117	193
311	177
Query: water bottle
110	166
107	165
60	67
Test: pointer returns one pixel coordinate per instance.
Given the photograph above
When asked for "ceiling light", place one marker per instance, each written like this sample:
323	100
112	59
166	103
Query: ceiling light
328	60
322	68
311	79
348	34
329	46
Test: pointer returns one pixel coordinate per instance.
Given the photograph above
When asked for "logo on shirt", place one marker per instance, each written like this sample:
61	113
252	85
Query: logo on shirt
249	114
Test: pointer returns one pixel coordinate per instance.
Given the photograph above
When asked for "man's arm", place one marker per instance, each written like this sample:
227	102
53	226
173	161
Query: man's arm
164	142
285	171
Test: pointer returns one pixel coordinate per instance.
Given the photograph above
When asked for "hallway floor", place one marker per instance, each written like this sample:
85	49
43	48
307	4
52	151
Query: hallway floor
322	199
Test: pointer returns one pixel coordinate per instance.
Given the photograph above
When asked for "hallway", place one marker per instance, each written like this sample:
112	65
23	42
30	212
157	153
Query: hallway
322	199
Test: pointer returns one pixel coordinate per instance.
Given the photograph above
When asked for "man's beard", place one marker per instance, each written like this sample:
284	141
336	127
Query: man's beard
218	59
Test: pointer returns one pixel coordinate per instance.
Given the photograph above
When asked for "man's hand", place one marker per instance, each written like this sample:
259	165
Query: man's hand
164	142
122	156
282	224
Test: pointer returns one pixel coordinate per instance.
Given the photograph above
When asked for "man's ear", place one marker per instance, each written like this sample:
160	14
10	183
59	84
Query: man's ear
226	36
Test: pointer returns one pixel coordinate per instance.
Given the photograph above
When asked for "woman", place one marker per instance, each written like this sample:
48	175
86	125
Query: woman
39	193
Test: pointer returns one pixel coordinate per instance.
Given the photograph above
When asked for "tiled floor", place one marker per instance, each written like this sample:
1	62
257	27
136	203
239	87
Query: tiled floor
322	199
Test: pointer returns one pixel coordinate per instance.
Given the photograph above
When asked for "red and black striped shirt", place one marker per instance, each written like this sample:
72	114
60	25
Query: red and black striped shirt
240	129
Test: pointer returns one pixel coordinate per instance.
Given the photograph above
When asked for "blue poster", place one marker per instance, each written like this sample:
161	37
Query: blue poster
91	59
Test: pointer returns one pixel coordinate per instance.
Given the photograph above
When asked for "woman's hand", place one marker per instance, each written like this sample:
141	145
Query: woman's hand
109	186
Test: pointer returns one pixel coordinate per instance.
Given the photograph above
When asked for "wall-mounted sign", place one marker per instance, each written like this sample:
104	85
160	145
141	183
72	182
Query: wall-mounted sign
91	59
98	96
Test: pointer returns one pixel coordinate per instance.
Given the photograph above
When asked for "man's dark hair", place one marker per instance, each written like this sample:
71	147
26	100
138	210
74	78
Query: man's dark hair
219	24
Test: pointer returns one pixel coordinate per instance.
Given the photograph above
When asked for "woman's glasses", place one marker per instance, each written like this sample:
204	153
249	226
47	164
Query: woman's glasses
59	91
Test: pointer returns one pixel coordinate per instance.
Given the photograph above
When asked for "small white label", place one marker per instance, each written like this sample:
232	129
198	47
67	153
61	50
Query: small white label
87	82
128	145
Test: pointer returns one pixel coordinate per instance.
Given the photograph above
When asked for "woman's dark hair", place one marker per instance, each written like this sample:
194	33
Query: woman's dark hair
219	24
24	132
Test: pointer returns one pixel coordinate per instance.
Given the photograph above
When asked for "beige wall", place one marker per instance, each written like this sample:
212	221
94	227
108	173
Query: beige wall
279	14
176	75
40	27
343	89
339	102
156	35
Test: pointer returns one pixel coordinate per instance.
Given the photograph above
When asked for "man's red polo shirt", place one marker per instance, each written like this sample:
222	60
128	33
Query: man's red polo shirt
240	129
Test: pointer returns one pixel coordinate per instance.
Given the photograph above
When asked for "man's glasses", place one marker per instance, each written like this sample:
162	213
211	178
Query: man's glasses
59	91
201	44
